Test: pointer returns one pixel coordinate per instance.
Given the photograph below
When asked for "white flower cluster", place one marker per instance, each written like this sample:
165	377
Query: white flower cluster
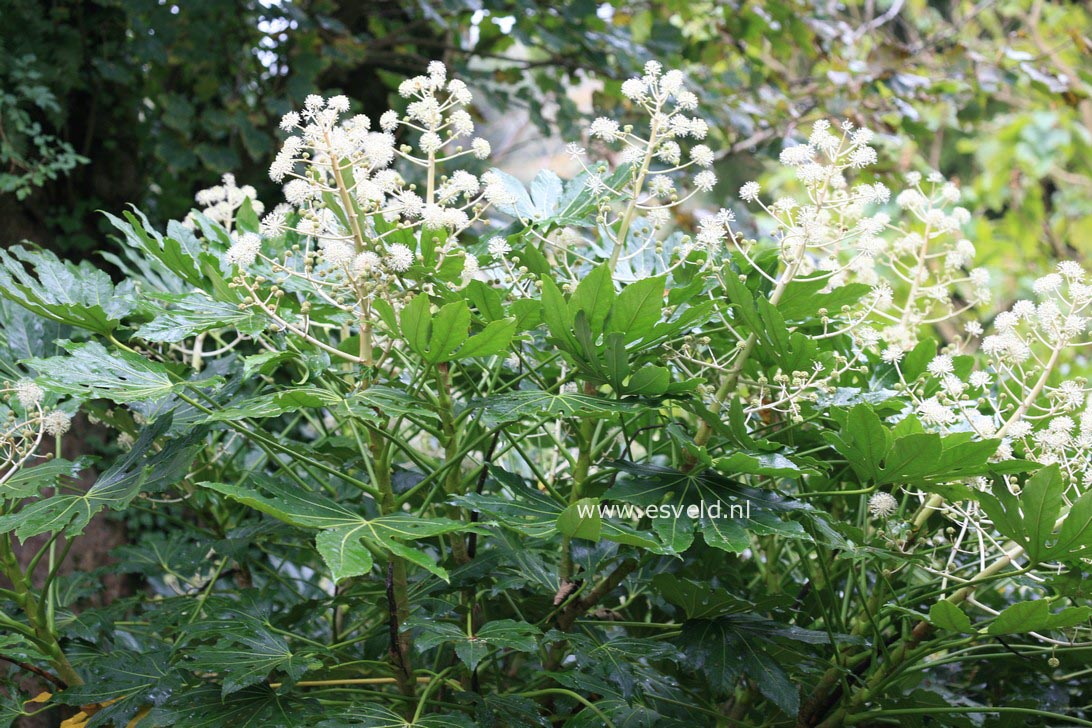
221	202
1020	394
924	254
24	428
347	196
817	236
652	176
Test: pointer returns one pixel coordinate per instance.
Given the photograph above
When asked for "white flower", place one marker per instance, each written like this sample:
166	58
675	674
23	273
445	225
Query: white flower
480	147
399	258
389	120
56	423
430	142
365	263
980	379
605	129
749	191
634	89
28	393
932	412
499	247
1047	284
892	354
1071	269
705	181
290	121
338	253
940	365
244	251
1019	429
702	155
338	103
882	505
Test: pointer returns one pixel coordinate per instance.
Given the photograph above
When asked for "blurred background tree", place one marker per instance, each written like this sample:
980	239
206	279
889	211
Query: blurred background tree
109	102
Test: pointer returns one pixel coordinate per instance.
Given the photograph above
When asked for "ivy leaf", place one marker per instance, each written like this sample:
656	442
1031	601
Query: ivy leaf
1035	616
90	371
946	615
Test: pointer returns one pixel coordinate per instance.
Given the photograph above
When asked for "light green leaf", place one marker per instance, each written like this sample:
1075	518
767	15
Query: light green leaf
638	308
581	519
490	341
1035	616
946	615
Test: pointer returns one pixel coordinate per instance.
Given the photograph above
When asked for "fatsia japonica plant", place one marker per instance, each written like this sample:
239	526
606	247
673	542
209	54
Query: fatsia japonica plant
425	446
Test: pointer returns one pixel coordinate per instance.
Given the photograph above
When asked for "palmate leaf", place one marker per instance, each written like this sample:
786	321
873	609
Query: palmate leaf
1036	616
254	707
528	404
141	469
444	336
276	403
342	545
623	666
946	615
646	485
90	371
128	681
906	455
1029	518
29	481
499	634
721	652
371	715
179	317
536	514
242	660
80	295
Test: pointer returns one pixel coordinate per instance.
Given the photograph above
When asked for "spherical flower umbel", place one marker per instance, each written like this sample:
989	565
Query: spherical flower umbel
399	258
28	393
882	505
244	251
56	423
